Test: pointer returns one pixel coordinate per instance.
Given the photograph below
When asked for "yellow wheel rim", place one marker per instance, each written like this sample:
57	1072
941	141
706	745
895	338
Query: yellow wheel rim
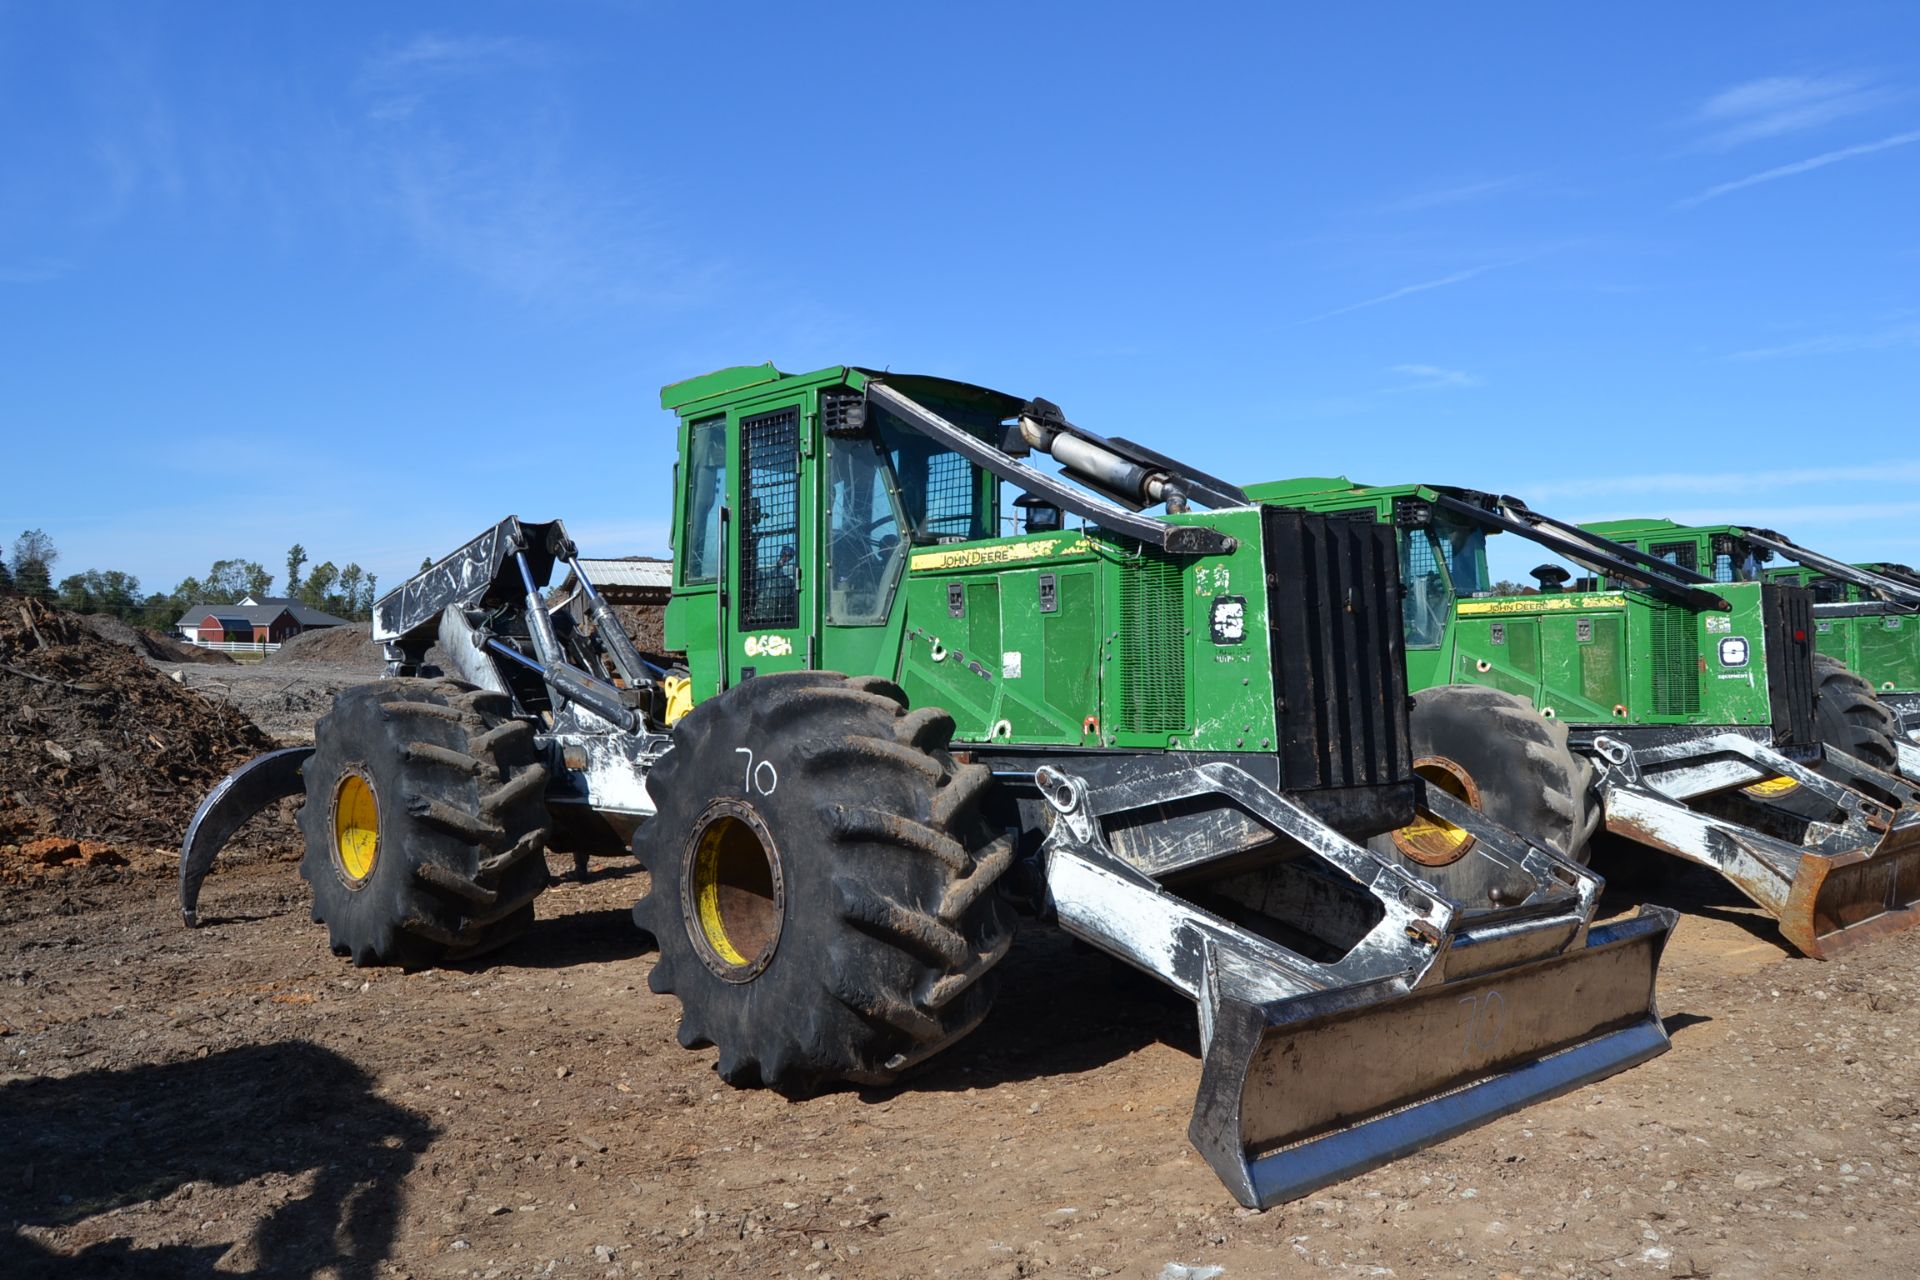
356	829
1429	840
679	691
1771	788
733	897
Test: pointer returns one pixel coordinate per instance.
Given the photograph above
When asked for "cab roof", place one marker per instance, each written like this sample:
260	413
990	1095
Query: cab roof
713	390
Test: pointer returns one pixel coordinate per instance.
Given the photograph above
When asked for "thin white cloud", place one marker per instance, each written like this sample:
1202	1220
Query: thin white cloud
438	54
1406	291
1900	336
1795	521
1689	483
1778	105
1432	377
396	81
1800	166
1440	197
510	201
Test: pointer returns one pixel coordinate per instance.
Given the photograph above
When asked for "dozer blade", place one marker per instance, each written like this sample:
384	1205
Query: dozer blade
239	796
1836	903
1349	1013
1300	1093
1845	883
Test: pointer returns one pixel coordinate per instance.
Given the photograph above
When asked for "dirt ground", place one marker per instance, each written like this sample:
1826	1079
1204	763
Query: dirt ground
236	1100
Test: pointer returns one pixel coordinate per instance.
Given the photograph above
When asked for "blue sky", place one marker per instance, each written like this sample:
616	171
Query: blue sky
369	276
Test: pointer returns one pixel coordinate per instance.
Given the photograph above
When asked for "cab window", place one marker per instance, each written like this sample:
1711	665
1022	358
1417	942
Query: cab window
706	494
1437	564
864	542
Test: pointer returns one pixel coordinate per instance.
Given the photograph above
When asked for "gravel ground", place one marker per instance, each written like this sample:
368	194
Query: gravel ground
237	1100
282	698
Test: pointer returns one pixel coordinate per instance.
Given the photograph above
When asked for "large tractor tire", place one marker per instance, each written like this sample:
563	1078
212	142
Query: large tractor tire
823	892
1848	717
1504	758
426	823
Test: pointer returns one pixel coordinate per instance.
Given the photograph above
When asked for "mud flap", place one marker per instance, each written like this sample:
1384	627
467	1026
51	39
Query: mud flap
241	794
1299	1093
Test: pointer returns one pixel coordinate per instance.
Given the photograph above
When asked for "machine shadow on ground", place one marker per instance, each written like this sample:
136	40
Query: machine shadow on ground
1063	1009
104	1140
565	939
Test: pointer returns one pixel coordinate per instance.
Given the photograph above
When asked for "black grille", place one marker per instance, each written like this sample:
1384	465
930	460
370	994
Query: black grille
1787	612
770	531
1674	633
1153	647
1339	662
842	412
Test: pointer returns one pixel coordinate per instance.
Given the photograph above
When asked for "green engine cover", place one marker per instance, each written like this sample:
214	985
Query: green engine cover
1588	657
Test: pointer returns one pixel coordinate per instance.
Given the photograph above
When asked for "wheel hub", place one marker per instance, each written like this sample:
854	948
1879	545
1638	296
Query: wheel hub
732	891
1429	840
356	830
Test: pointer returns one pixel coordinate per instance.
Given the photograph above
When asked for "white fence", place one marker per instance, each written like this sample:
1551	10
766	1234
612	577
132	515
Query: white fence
235	646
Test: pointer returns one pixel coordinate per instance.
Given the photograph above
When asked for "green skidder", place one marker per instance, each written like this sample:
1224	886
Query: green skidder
1866	626
1690	704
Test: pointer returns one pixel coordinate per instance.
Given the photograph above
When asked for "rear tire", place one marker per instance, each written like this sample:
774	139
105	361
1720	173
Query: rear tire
824	882
1503	757
426	825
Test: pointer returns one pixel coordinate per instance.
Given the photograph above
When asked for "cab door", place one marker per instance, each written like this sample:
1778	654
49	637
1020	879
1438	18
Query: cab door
769	604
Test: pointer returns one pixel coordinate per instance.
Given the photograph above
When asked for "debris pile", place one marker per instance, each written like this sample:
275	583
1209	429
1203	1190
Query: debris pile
101	755
150	643
349	646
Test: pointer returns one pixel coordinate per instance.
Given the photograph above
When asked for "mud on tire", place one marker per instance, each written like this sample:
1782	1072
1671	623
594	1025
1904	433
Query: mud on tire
824	882
457	802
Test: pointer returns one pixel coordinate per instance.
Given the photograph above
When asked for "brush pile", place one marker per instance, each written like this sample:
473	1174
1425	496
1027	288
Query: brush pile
101	755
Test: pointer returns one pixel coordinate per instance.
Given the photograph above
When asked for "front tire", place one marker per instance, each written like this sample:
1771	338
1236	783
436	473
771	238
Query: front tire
824	882
1849	717
426	825
1500	755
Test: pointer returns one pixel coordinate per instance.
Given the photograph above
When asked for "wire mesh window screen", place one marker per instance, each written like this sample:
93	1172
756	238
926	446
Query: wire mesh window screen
1423	600
950	505
1681	553
770	532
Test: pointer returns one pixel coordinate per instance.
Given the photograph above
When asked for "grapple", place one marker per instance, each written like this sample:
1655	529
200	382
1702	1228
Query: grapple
1832	885
224	810
1350	1014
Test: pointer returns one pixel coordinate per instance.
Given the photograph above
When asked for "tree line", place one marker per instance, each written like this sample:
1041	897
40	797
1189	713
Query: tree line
344	592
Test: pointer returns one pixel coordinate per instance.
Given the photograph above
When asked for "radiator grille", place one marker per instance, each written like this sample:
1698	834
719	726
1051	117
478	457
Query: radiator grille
1675	641
1788	615
1153	648
1339	658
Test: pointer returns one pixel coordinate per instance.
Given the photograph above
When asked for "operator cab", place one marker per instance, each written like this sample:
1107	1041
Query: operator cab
798	505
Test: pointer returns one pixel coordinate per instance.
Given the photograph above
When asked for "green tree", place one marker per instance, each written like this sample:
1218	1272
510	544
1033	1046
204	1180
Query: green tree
34	556
319	584
229	580
6	577
101	591
296	556
348	594
72	593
